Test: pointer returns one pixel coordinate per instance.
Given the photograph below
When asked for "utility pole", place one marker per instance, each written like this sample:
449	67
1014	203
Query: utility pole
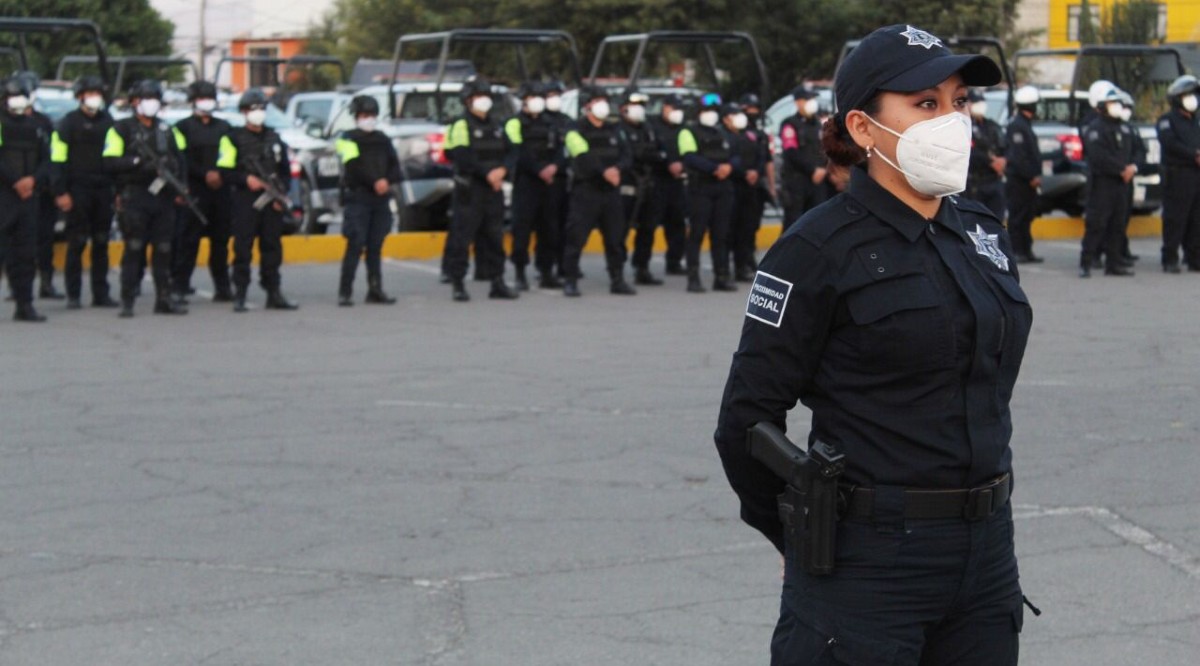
203	41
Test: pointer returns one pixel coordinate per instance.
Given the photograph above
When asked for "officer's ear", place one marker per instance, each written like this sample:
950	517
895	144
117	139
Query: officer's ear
858	126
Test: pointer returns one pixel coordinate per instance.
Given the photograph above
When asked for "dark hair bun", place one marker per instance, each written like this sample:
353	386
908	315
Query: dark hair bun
837	144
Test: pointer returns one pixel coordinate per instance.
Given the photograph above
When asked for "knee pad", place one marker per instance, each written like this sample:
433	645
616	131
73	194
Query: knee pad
100	238
135	244
162	248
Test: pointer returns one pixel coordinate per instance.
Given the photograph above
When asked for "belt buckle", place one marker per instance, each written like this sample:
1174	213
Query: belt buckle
979	503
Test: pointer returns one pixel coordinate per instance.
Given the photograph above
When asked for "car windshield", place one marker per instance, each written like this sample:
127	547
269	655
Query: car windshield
423	105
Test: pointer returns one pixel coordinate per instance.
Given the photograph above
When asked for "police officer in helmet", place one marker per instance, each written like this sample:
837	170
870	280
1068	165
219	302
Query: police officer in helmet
24	168
539	186
135	150
707	152
747	220
203	132
370	167
83	190
1179	137
748	194
985	180
1111	158
637	182
1023	173
668	207
482	157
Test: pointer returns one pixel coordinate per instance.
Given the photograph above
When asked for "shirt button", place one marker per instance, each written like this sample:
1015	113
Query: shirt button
874	256
880	269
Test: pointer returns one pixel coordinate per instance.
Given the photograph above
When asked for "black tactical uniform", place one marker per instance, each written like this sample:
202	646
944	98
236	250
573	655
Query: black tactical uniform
24	153
367	157
753	152
593	200
1024	164
134	150
563	123
1179	137
1109	146
667	208
537	206
477	146
983	183
203	134
637	187
800	141
47	218
77	170
710	198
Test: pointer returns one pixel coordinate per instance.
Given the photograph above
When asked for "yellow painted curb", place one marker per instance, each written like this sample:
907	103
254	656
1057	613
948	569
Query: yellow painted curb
429	245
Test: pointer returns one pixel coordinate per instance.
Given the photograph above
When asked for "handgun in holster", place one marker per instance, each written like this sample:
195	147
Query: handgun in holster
808	506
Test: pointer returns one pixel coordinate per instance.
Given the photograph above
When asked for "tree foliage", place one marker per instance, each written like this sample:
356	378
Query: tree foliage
129	27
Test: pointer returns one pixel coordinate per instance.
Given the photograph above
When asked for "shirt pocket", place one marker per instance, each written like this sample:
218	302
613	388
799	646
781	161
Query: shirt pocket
901	323
1017	318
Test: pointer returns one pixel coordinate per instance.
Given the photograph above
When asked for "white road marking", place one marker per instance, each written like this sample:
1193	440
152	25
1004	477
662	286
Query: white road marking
519	409
413	265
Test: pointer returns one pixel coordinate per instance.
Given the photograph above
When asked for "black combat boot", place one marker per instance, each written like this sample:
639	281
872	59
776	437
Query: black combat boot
460	292
239	300
548	281
721	282
73	303
26	312
501	290
126	307
345	300
693	285
164	303
376	294
47	289
743	274
617	284
104	301
522	282
276	301
571	288
644	277
675	269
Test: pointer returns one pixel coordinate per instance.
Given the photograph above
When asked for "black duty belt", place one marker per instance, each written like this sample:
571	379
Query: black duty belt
969	503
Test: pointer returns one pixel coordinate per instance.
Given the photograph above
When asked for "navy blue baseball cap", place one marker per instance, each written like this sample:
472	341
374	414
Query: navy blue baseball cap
903	58
803	92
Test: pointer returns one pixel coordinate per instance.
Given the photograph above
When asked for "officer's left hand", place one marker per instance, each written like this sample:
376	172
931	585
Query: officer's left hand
613	176
277	206
998	164
752	177
381	186
24	187
213	180
676	168
179	201
723	171
548	173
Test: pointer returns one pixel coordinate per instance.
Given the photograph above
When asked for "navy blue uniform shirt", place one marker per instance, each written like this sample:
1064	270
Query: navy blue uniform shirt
903	335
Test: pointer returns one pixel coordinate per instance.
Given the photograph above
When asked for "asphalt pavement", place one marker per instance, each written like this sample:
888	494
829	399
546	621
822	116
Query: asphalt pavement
528	483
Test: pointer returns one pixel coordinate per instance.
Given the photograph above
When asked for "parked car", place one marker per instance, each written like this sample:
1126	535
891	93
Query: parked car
313	109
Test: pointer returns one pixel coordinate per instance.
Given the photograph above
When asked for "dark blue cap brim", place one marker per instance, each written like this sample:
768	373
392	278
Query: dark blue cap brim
976	70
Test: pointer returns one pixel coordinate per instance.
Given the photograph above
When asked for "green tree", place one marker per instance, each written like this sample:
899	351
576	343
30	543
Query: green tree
129	27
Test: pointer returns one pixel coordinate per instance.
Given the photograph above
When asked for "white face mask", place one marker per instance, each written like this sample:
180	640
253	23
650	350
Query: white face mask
934	155
811	106
600	110
1126	113
675	116
367	123
256	117
1190	103
709	118
979	109
481	104
535	105
18	103
93	102
553	103
1114	109
148	108
206	105
740	121
636	113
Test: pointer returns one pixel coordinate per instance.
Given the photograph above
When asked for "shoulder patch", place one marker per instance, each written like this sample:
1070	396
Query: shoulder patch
973	206
1093	135
1018	138
768	299
1164	124
821	223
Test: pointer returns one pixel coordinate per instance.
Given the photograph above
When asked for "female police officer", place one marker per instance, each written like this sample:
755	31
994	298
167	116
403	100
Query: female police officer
893	312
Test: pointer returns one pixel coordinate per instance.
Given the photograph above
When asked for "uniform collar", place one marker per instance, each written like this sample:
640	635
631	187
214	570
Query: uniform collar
887	207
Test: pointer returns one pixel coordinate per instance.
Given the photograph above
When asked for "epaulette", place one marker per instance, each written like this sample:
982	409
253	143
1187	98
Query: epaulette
818	225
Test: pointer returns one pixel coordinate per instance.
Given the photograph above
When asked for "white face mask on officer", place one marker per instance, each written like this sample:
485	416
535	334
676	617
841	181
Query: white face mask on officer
934	155
18	103
93	102
1126	113
636	113
1113	109
256	117
811	106
709	118
148	108
535	105
979	109
675	116
599	110
206	105
740	121
1189	103
367	123
554	103
481	104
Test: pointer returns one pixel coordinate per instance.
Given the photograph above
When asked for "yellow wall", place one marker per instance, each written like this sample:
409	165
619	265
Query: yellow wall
1183	20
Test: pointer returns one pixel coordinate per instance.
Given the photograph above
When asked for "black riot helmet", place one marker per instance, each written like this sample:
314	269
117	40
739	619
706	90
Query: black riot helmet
252	98
88	83
475	86
364	105
1182	86
146	89
750	99
15	87
589	93
555	87
531	89
31	79
201	90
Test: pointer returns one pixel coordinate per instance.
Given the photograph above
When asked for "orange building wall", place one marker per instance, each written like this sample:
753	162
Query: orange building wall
240	72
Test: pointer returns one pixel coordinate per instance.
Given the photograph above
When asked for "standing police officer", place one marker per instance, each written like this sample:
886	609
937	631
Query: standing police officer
481	155
598	156
564	123
985	180
752	107
637	181
707	152
1023	168
203	133
539	186
667	207
803	162
369	168
748	194
24	167
254	159
138	150
47	212
1179	136
83	190
1109	146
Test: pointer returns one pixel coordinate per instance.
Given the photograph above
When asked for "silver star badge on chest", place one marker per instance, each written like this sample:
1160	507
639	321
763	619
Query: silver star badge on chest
988	245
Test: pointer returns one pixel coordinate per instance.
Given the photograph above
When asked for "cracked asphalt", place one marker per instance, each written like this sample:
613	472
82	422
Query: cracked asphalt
530	483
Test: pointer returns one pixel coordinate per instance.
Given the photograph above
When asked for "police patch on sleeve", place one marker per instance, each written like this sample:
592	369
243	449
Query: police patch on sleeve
768	299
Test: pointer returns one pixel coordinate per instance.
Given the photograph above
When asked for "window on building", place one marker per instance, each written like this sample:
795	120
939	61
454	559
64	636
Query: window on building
262	73
1073	12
